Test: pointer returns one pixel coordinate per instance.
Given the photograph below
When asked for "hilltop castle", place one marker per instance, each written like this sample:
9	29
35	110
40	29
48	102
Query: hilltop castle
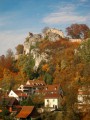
52	34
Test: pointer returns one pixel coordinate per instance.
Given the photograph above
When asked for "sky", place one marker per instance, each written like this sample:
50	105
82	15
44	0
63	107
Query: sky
19	17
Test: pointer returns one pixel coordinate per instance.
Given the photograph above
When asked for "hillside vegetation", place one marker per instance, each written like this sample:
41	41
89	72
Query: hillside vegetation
68	63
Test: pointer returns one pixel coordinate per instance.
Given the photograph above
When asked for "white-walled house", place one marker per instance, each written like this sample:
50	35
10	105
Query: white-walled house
52	101
83	98
53	96
19	95
84	95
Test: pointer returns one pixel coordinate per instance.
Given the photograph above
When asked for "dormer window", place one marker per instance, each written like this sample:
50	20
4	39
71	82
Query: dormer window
28	83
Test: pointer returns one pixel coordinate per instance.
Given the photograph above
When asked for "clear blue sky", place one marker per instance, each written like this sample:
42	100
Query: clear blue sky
18	17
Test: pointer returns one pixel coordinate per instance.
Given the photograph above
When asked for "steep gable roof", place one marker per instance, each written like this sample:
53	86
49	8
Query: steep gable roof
25	111
20	93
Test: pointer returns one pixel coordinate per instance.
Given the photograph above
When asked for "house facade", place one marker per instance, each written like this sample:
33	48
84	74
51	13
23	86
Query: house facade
53	96
52	101
83	98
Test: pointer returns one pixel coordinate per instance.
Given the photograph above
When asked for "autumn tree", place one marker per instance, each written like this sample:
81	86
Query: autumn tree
9	59
7	62
38	100
83	54
19	49
9	53
29	67
2	65
88	34
77	31
84	51
8	81
21	68
27	102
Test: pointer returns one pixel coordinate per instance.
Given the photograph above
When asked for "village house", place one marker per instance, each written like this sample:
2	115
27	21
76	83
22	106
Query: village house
53	89
53	96
53	101
83	98
32	86
19	95
10	103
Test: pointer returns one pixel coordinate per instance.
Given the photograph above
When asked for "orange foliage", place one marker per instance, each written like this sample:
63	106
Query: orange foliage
45	67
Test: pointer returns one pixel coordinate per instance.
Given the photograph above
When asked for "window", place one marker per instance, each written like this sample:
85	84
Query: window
53	106
55	88
46	88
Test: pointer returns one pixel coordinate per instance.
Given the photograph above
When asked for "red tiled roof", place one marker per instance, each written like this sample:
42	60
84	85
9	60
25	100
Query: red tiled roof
20	93
18	106
83	93
25	112
23	95
51	88
52	96
35	82
29	86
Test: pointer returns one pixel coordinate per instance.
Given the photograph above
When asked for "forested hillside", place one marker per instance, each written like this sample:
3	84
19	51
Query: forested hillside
68	64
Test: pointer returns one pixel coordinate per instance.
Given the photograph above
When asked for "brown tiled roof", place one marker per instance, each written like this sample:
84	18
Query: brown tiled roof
52	96
51	88
36	82
18	106
10	101
29	86
20	93
38	91
25	112
23	95
17	92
